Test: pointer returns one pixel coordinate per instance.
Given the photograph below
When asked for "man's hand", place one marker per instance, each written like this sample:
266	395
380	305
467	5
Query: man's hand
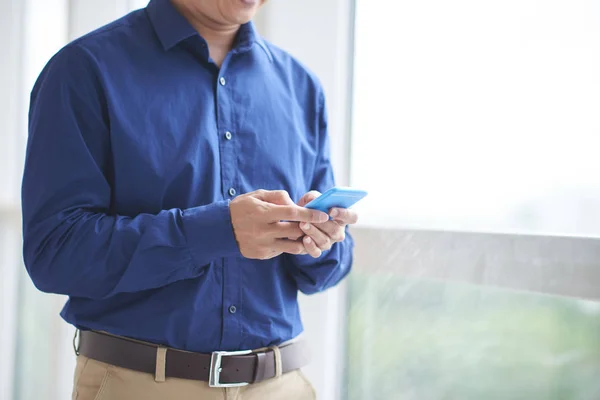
321	236
257	223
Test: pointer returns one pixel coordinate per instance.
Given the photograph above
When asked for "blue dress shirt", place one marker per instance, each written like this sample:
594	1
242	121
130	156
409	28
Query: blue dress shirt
137	143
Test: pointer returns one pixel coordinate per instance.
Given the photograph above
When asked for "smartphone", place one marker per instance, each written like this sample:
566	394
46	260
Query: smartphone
338	197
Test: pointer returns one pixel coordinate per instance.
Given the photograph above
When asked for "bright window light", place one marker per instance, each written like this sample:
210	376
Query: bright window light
478	115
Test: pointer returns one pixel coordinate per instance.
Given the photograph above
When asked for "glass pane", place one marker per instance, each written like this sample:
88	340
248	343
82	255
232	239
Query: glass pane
424	339
478	115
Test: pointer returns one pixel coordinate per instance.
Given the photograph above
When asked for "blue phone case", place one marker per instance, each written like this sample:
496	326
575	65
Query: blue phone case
339	197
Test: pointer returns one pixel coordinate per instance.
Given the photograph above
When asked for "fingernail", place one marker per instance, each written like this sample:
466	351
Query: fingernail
307	239
334	213
323	217
306	225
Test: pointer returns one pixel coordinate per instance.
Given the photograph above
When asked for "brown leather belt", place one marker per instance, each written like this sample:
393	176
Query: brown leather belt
220	369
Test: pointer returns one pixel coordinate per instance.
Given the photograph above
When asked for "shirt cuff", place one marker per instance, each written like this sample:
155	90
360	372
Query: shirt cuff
209	232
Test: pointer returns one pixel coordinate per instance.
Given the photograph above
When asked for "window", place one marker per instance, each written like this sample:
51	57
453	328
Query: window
425	339
447	315
478	115
475	116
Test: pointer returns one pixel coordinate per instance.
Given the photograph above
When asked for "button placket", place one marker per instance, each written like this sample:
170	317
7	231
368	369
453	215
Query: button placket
226	124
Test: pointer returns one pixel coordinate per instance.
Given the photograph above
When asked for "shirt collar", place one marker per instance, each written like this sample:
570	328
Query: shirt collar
247	36
172	28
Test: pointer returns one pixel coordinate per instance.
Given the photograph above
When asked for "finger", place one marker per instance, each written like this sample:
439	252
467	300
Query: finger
333	229
320	238
279	197
296	213
289	230
344	215
308	197
290	246
311	247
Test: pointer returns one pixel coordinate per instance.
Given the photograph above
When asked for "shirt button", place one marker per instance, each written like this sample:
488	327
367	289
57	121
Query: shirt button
228	135
222	81
232	192
232	309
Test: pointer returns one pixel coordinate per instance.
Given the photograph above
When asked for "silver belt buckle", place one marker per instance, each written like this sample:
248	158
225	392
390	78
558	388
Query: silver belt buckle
215	368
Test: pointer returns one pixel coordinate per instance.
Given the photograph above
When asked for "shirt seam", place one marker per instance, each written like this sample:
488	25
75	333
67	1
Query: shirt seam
321	128
81	41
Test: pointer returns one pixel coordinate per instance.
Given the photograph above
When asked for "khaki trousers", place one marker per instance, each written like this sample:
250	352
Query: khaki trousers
95	380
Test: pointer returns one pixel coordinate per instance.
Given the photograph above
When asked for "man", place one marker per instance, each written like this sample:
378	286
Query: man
164	153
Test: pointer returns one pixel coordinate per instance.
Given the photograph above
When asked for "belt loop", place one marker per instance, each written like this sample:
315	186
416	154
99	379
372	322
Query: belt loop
277	355
76	343
161	363
261	365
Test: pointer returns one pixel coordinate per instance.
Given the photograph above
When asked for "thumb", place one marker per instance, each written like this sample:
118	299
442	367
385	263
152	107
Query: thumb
308	197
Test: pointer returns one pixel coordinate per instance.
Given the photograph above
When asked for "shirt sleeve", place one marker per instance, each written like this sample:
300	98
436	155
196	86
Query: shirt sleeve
316	275
72	243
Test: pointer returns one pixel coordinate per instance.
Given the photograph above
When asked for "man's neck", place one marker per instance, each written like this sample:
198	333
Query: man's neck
220	38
